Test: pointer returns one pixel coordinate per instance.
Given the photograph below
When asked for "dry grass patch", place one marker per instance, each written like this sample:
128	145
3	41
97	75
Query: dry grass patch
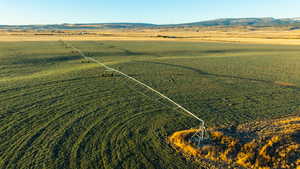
254	35
286	84
271	144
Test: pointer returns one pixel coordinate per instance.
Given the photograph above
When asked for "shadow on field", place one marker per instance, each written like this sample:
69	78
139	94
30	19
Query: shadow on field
118	53
126	52
123	51
46	60
218	75
161	53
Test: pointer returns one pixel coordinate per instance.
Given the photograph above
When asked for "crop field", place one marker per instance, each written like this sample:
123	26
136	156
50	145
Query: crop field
60	111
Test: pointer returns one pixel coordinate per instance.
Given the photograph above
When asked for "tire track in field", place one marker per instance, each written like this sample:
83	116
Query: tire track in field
125	126
34	137
31	91
91	93
100	121
41	102
69	127
92	131
109	138
17	89
106	121
21	150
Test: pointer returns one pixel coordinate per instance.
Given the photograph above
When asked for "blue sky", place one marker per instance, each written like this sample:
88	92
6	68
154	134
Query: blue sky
149	11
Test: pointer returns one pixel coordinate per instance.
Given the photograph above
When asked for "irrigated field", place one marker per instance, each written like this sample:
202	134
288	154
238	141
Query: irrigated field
59	111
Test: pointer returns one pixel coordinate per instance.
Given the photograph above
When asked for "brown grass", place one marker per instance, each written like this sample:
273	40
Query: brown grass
277	145
286	84
178	139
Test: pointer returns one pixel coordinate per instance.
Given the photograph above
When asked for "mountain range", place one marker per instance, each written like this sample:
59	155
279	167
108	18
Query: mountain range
260	22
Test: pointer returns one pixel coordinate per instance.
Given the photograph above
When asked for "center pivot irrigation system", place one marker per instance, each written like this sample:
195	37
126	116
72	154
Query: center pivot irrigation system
197	138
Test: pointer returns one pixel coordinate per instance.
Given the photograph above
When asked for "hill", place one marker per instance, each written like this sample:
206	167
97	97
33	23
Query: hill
246	22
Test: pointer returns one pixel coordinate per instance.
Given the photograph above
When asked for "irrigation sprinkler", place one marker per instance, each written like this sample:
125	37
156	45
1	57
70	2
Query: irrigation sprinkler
200	136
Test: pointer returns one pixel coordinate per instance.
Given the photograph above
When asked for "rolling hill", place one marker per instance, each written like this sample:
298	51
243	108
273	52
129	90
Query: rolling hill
246	22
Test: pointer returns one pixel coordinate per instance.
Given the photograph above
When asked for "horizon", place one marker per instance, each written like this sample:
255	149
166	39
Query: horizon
145	22
34	12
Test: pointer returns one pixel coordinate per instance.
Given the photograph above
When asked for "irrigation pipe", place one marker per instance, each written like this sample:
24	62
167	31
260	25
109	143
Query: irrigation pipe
139	82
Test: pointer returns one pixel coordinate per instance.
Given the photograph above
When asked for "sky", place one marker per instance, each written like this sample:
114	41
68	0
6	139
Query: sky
18	12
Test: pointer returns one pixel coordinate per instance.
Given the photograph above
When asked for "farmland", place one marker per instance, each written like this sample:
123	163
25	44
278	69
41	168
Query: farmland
285	35
58	110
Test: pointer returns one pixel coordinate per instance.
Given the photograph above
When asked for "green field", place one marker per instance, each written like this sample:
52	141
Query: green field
58	111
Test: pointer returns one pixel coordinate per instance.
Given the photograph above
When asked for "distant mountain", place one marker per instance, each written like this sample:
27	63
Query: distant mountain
80	26
109	25
296	19
246	22
216	22
292	19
